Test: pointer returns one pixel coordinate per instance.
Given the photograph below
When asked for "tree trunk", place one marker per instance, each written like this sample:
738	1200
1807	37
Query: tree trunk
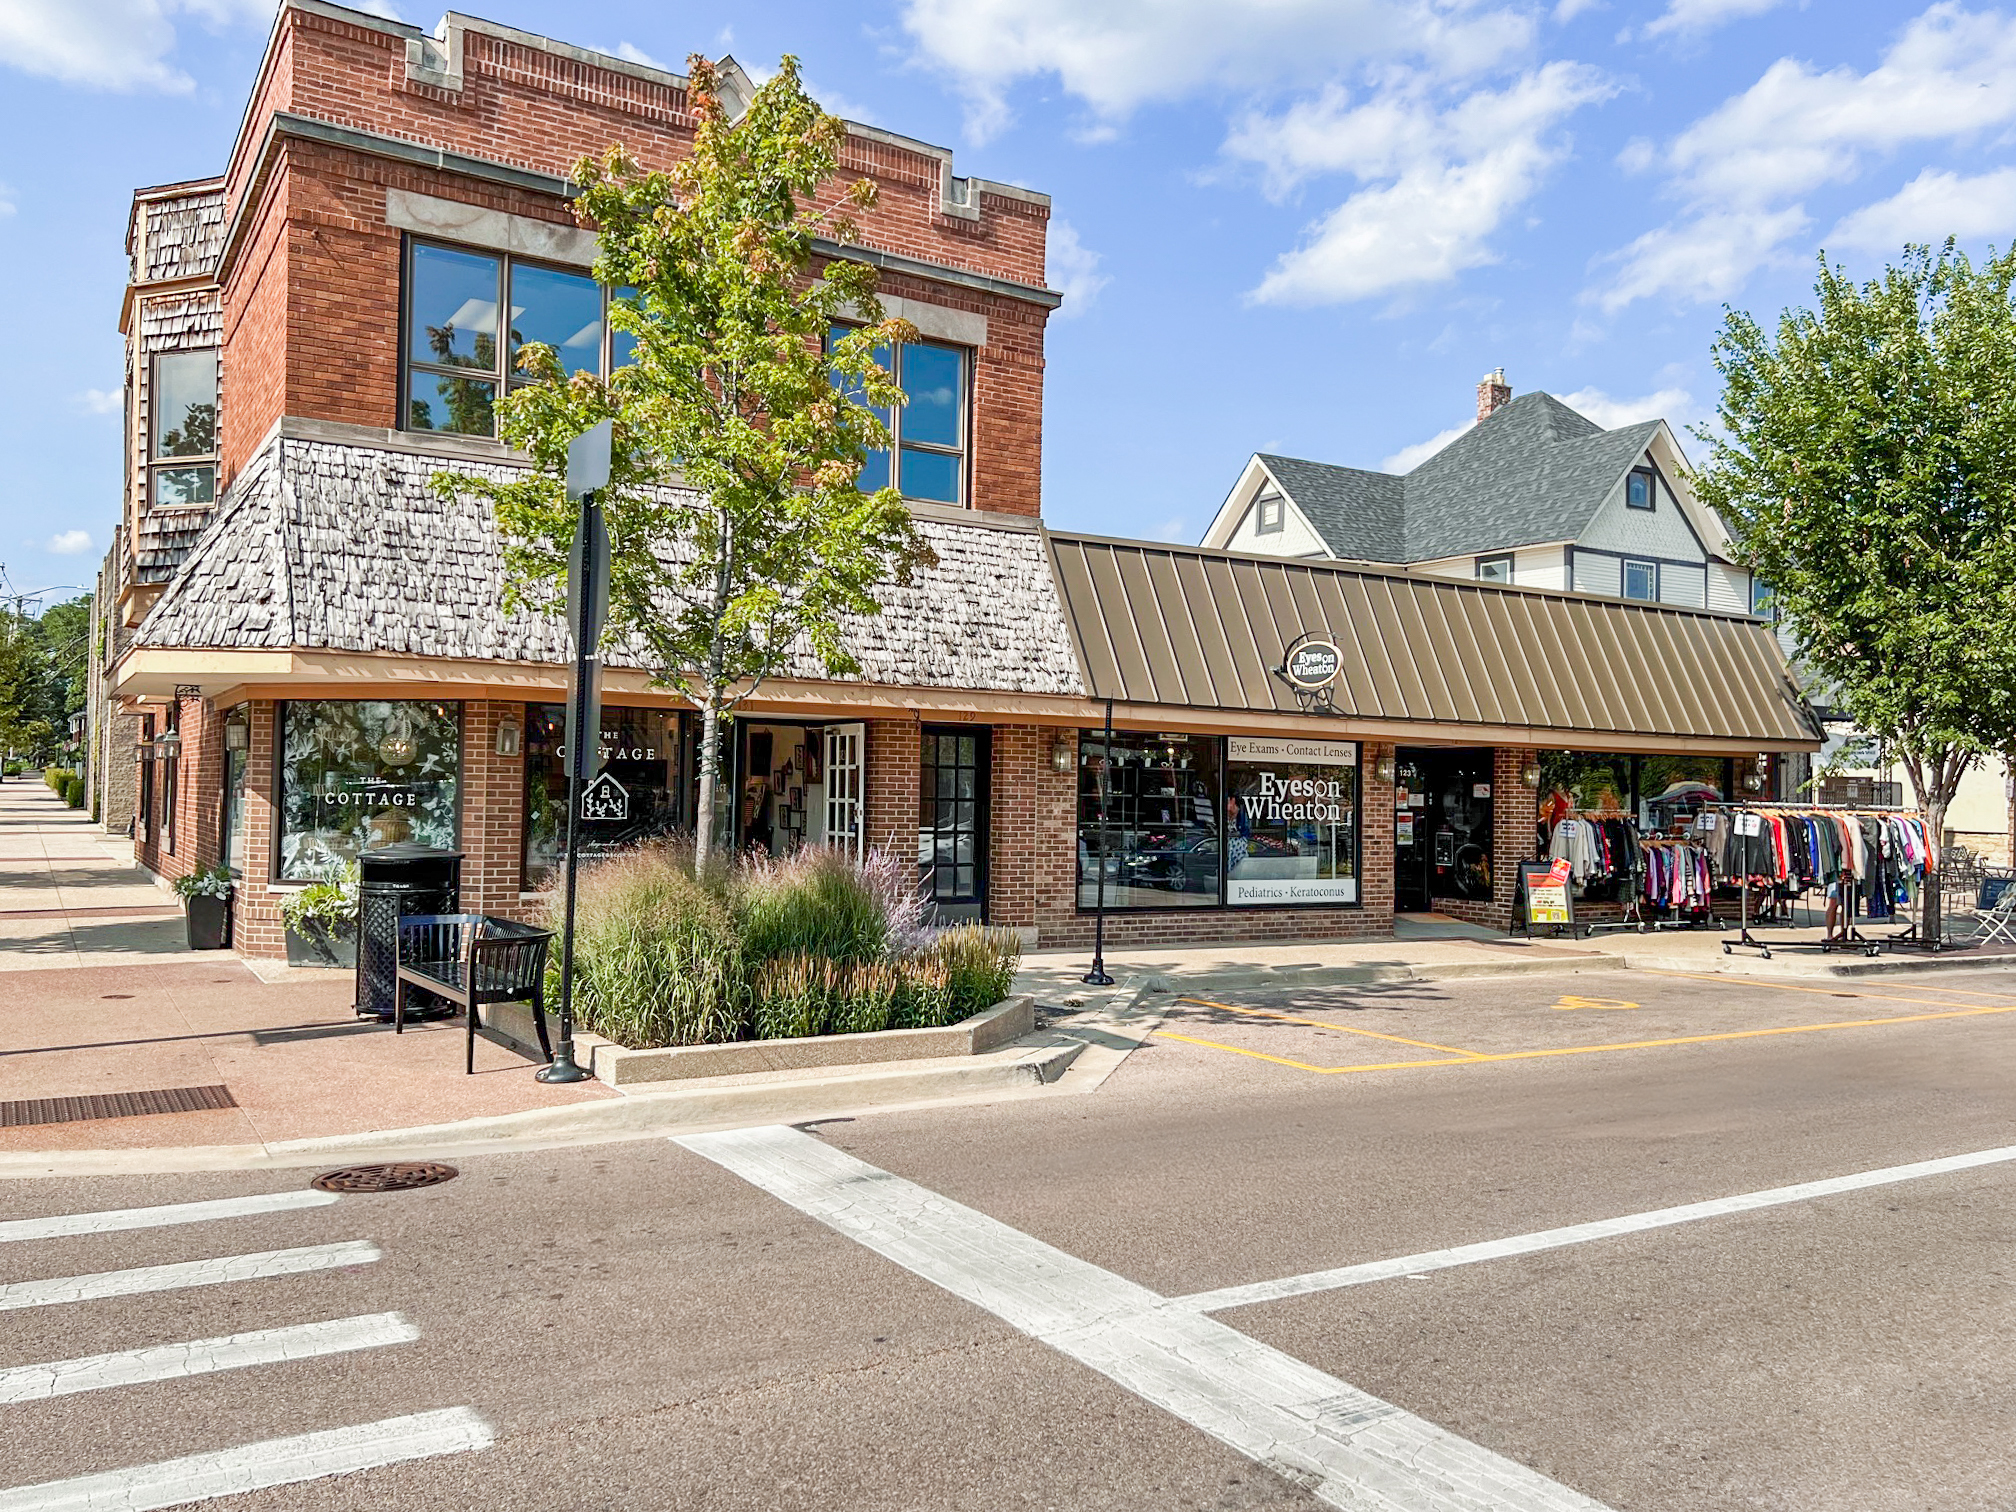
1935	782
710	779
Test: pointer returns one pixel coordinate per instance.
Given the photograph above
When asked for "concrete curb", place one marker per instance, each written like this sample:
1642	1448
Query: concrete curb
1275	977
722	1102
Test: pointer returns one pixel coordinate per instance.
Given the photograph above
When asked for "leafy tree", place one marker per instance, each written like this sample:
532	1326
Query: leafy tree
25	725
66	637
736	392
1867	470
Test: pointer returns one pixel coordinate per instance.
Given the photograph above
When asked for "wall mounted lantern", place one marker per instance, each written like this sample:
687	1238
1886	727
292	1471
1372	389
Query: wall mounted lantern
508	738
1531	775
1385	770
1062	755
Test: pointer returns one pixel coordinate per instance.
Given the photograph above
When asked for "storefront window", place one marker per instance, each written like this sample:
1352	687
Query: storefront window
237	747
1673	789
640	749
1585	782
1148	818
357	775
1291	821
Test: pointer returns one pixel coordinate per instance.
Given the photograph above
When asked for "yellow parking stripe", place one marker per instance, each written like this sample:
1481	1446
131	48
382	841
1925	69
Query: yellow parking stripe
1468	1058
1289	1018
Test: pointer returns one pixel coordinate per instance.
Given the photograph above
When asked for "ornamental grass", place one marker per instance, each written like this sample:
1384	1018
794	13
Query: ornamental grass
816	943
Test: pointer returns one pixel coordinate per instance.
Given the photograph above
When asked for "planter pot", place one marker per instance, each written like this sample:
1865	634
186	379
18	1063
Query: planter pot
209	922
318	947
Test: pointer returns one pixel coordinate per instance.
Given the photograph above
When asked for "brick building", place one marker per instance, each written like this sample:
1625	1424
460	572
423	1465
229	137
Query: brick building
310	653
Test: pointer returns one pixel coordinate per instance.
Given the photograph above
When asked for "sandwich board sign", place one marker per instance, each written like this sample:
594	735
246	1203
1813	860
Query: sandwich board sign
1547	895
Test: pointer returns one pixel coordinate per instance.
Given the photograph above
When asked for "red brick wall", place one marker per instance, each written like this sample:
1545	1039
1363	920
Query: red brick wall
493	813
312	299
256	926
1514	810
198	796
893	756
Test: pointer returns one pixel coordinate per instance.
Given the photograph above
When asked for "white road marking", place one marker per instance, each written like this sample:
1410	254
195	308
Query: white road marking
160	1217
153	1278
251	1467
1349	1448
1578	1233
164	1362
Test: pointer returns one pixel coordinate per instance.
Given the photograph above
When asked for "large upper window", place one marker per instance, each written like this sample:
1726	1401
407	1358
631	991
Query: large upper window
357	775
928	459
456	363
1641	581
182	451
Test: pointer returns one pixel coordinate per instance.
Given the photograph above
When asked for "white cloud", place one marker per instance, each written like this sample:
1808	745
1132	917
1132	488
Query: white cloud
1440	178
70	543
1932	207
1744	169
101	401
1567	10
1174	529
7	205
1610	412
112	44
1073	270
1691	18
1408	458
630	52
1118	55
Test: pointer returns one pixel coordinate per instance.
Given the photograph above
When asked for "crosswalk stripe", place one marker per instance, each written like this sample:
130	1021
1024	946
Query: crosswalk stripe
251	1467
163	1362
65	1224
153	1278
1352	1450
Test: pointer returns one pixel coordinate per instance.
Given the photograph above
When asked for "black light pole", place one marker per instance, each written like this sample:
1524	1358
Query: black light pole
587	604
1097	976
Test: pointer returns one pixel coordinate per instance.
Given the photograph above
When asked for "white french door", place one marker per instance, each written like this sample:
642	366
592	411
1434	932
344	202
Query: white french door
845	820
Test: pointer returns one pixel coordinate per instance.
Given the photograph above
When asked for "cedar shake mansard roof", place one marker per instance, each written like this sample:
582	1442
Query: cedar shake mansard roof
341	547
1532	471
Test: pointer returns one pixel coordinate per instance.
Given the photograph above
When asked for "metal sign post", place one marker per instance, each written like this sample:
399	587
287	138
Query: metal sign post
587	611
1097	976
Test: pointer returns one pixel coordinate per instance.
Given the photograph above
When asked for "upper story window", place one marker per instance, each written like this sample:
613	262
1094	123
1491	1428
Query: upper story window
928	459
1641	581
1763	601
1638	491
1495	569
182	451
456	365
1270	512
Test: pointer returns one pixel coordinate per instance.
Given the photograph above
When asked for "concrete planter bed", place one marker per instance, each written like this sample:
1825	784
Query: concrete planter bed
1007	1020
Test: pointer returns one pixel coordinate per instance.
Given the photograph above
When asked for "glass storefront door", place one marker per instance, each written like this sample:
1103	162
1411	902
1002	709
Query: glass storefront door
952	819
1441	826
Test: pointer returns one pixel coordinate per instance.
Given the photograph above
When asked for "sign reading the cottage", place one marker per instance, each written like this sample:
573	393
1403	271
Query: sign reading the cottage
1291	821
1314	664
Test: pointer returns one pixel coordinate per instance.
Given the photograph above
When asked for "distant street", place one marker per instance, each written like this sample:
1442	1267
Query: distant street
652	1325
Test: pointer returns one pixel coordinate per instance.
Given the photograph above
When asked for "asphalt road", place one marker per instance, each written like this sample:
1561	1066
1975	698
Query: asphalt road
639	1326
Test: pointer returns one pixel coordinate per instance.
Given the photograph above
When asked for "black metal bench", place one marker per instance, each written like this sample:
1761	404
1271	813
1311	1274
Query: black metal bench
472	959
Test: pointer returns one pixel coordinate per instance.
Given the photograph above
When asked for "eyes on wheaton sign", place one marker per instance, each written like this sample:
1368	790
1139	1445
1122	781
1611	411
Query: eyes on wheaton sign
1313	664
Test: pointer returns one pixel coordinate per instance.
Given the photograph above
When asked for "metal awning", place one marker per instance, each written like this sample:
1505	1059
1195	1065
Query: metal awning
1185	628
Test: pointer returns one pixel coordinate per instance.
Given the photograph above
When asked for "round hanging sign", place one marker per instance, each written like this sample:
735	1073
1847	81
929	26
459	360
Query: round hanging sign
1314	664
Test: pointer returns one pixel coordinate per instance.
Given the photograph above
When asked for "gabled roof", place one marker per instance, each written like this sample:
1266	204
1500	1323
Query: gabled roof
1532	471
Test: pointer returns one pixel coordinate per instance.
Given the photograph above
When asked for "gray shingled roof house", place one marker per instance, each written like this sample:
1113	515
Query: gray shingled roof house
1534	494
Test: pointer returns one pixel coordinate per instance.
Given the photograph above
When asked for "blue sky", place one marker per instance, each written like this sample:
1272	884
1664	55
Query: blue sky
1305	226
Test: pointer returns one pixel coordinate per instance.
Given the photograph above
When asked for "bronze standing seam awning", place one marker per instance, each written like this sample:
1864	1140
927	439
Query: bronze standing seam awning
1185	628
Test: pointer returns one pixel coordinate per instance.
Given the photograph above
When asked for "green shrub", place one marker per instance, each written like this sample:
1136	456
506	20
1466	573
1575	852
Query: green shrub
73	791
979	968
656	957
55	777
817	903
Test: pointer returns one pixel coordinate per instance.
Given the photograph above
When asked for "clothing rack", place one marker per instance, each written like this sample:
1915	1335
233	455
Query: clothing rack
1849	937
1633	916
1707	903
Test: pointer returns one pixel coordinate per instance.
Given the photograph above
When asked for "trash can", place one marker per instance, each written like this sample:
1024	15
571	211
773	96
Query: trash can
393	882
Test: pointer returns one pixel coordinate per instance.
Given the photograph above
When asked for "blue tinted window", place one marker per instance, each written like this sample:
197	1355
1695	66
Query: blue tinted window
452	319
1638	490
1641	580
934	379
564	310
622	345
931	475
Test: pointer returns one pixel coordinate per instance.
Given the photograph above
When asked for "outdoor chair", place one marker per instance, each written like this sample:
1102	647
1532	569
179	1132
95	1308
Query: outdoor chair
473	959
1997	921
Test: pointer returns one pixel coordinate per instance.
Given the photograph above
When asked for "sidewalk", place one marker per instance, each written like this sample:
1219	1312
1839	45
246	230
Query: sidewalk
71	895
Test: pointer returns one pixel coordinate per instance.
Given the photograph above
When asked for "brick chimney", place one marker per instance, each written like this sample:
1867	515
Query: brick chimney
1493	393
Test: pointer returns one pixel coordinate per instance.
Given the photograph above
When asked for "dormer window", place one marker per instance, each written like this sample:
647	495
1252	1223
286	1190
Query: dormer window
1269	512
1495	569
182	406
1638	493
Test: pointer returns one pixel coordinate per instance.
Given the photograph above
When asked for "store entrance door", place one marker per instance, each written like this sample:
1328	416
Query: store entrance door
1442	826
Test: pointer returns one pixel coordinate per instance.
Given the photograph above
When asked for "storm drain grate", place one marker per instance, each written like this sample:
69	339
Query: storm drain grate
402	1176
54	1110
